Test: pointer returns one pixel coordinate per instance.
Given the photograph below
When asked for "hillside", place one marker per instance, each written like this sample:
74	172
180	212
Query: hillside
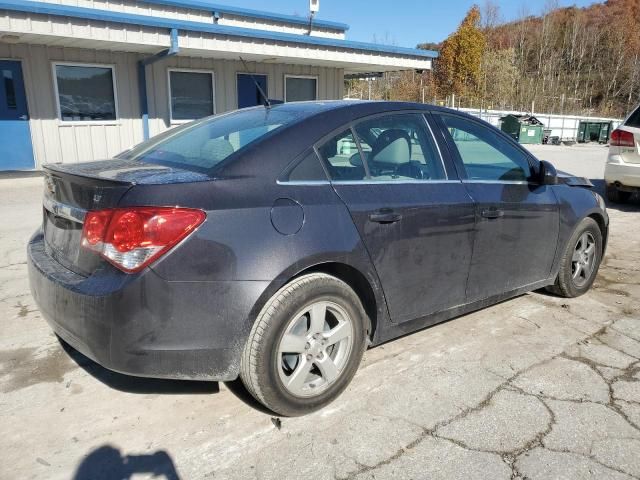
576	60
569	60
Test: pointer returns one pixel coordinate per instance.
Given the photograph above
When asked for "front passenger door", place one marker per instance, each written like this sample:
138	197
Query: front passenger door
517	220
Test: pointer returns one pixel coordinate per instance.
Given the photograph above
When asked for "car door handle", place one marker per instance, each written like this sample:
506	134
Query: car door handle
385	216
492	213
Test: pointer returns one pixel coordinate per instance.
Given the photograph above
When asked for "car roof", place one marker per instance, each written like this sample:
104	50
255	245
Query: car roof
319	106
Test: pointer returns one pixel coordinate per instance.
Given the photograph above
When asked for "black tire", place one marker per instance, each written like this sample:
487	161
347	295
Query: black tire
616	196
565	285
260	363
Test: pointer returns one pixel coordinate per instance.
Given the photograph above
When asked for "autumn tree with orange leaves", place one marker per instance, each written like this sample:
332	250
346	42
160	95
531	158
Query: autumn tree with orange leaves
458	68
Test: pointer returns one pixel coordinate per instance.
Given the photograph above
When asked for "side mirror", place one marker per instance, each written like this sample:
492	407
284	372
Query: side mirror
548	174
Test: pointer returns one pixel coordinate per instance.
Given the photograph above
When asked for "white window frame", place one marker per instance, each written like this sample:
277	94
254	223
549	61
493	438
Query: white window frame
189	70
62	122
310	77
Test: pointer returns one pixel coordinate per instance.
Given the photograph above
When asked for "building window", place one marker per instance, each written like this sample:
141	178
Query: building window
85	93
300	89
191	95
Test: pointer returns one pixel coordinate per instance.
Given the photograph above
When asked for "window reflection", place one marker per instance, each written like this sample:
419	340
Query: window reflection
85	93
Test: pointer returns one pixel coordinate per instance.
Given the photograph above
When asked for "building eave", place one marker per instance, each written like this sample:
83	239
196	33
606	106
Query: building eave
27	6
246	12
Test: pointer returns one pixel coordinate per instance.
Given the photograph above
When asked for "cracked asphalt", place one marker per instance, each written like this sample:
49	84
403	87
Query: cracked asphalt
537	387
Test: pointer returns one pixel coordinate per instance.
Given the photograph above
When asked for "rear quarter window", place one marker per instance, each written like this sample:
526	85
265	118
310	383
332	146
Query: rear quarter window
306	170
634	119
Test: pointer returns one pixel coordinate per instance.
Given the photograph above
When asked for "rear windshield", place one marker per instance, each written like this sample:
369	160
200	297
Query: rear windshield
634	119
204	144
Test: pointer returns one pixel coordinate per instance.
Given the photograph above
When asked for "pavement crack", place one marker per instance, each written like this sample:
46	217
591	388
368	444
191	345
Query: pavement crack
592	458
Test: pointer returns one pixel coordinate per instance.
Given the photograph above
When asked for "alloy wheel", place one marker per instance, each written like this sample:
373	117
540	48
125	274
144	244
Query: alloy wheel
583	259
315	348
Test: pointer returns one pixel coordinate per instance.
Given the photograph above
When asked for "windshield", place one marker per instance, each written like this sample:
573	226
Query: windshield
203	144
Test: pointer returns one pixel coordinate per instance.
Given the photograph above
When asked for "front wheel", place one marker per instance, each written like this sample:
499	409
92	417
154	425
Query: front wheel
580	262
305	345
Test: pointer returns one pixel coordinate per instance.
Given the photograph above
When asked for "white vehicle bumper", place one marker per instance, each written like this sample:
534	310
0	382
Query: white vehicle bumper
625	174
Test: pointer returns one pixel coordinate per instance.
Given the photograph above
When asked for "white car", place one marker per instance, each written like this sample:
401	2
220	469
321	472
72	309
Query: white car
622	171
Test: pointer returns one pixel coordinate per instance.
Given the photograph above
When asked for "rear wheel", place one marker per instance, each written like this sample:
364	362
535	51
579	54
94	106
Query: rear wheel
305	346
580	262
617	196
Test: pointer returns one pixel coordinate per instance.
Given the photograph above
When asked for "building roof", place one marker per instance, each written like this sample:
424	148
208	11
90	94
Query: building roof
35	7
245	12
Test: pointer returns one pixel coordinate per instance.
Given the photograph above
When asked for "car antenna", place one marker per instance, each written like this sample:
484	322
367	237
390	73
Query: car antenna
267	103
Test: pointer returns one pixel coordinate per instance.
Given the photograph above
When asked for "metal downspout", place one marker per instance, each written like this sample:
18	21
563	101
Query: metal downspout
173	49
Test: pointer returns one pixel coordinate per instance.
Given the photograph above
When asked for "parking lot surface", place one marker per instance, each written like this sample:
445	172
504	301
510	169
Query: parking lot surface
537	387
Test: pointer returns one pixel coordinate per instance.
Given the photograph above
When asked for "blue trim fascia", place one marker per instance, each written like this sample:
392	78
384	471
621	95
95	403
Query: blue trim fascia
132	19
246	12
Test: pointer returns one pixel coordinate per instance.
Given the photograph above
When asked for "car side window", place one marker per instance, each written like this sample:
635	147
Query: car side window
342	157
484	154
399	147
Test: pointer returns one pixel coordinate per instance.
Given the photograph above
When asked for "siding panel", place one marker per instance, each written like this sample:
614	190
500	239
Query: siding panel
55	141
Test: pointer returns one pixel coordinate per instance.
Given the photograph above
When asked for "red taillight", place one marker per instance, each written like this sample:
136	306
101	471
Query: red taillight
622	138
132	238
95	225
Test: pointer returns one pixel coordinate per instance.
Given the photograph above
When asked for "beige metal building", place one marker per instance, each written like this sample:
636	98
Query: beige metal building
86	79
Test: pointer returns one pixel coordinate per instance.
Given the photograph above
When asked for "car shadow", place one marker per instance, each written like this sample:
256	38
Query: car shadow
631	205
107	462
139	385
241	393
142	385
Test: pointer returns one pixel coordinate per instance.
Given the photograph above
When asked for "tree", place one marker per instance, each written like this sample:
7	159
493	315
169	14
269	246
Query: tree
457	69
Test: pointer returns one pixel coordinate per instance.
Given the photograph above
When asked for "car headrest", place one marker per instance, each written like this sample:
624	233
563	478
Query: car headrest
356	160
392	146
215	150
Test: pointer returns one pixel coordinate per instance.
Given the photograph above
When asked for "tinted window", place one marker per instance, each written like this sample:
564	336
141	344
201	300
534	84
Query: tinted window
634	119
399	147
191	95
203	144
308	169
300	89
342	157
85	93
485	155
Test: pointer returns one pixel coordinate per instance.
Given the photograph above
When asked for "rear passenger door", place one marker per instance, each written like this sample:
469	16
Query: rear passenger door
517	220
414	216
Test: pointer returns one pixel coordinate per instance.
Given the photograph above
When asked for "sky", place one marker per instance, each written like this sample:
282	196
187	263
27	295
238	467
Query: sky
403	23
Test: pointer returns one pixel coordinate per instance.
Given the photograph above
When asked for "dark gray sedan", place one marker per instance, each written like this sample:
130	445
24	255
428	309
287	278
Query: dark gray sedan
276	244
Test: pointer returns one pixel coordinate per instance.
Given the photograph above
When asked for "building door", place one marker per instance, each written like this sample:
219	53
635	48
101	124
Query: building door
16	151
248	93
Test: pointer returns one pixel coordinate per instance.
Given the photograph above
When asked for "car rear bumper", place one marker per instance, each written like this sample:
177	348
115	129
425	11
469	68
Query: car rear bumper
625	174
142	324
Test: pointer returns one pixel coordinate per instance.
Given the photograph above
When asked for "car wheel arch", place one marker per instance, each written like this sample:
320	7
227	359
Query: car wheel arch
599	219
367	288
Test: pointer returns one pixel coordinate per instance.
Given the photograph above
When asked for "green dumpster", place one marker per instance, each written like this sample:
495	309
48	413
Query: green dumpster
594	131
523	128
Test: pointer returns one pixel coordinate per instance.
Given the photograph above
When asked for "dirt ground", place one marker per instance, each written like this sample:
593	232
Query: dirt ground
538	387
